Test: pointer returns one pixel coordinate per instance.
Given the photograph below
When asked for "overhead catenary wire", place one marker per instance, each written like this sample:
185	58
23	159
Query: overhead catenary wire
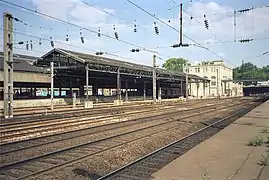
215	42
79	47
193	17
135	25
240	10
174	29
81	27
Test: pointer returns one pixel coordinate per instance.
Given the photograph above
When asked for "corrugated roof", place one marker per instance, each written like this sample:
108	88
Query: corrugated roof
82	57
23	63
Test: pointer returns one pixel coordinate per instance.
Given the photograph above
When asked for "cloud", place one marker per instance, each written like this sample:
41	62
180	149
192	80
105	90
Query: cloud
58	9
72	10
221	22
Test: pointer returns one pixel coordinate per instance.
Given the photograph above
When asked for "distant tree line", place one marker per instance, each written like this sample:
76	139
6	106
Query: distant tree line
248	71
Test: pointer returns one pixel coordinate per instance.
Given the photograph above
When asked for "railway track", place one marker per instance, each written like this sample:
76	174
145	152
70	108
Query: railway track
14	147
23	130
64	157
44	112
143	167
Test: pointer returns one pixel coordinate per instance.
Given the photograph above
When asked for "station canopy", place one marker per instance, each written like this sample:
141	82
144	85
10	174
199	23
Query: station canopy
66	59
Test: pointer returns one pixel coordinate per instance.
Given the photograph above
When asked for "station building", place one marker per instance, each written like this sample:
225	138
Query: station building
220	76
108	78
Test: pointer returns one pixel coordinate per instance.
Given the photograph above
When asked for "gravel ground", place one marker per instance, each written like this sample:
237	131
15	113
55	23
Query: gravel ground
86	122
16	156
109	160
113	159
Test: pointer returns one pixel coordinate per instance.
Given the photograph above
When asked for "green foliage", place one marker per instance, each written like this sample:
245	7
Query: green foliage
175	64
258	141
250	71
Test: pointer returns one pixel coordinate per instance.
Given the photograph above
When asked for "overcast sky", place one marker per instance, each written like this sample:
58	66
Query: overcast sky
253	24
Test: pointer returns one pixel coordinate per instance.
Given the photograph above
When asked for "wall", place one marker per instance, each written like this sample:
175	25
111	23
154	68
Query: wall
216	71
35	102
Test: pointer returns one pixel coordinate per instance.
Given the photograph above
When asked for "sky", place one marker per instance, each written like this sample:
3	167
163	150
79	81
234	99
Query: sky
103	14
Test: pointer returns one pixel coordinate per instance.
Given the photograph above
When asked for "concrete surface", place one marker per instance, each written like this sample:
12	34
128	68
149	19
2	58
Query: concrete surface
225	156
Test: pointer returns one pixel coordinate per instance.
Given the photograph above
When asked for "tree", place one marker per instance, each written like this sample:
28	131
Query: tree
250	71
175	64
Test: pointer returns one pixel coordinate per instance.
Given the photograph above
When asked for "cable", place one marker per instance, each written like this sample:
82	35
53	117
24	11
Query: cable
216	42
127	23
173	28
239	10
46	39
81	27
262	54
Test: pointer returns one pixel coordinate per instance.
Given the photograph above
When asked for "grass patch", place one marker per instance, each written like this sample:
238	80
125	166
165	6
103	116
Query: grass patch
258	141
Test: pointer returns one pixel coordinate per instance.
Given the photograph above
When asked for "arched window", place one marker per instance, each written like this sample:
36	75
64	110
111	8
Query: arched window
213	77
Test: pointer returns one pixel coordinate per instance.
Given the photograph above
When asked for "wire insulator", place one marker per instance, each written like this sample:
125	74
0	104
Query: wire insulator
51	42
156	28
27	45
99	32
206	22
31	44
115	32
116	35
81	37
135	26
67	36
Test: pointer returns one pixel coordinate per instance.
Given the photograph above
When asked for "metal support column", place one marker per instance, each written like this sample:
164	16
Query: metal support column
8	66
197	86
145	92
126	90
218	88
118	85
87	81
181	24
181	87
204	88
187	78
154	79
209	89
160	93
51	85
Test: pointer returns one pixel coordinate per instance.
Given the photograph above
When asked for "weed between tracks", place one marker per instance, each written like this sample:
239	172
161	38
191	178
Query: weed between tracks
258	141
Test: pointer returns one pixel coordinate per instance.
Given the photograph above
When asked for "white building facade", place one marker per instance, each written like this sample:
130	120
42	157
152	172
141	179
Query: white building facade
220	76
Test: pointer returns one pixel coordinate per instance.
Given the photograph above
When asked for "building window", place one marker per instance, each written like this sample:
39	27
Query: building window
213	77
206	77
213	83
224	77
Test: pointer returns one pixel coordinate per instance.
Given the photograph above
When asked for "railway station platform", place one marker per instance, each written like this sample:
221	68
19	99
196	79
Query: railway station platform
228	154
